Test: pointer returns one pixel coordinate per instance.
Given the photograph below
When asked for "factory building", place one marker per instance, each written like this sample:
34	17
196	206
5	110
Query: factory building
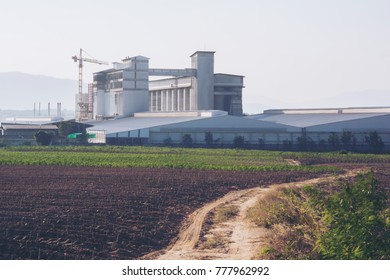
126	89
274	129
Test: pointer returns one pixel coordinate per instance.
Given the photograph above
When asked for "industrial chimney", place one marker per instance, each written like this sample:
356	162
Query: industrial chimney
58	109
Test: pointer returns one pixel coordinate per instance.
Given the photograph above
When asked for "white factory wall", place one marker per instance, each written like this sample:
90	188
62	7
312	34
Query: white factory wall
113	103
270	139
136	101
98	103
193	97
225	128
223	137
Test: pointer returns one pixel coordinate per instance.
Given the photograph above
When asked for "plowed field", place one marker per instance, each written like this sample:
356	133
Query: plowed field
57	212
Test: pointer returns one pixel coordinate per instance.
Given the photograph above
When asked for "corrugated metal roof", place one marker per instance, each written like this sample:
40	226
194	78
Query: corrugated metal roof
24	126
228	122
31	120
135	123
308	120
220	123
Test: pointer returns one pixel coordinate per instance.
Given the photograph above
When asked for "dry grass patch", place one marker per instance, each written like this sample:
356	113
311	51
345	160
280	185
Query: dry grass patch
279	205
225	213
292	225
212	241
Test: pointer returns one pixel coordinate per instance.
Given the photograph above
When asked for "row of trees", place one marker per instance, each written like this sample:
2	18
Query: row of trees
346	141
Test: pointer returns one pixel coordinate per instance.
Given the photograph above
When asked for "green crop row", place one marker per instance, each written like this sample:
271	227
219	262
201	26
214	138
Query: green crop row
153	157
255	154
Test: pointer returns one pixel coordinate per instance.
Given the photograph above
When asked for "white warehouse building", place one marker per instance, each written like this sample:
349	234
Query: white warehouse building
272	129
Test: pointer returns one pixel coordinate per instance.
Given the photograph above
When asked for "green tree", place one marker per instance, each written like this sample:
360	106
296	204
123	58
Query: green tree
287	145
358	223
43	138
322	144
65	128
261	143
168	141
305	143
348	140
334	141
186	140
83	138
239	142
374	141
208	138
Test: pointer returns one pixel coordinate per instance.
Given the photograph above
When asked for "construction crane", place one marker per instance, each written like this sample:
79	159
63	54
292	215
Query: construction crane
82	106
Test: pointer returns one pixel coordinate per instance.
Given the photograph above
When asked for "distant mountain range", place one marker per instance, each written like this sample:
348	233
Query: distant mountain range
367	98
19	91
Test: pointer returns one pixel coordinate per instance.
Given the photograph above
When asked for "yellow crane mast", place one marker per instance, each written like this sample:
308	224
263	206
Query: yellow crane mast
83	106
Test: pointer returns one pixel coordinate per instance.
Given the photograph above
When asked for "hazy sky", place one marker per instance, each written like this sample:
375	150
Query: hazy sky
287	50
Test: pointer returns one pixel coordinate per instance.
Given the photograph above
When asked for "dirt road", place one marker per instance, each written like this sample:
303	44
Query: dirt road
236	239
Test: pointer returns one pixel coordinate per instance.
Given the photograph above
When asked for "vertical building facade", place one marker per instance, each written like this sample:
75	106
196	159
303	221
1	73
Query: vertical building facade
203	83
122	90
126	89
228	93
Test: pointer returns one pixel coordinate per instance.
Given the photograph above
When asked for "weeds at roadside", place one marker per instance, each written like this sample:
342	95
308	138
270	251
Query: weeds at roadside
284	212
344	220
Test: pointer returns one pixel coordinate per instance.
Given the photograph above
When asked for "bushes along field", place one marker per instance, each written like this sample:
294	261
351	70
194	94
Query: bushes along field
349	220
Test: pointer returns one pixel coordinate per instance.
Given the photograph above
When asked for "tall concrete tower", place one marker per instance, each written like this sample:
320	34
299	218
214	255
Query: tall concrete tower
122	90
135	86
203	83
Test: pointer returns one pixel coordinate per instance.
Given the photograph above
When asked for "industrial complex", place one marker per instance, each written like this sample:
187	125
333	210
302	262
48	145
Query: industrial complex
125	106
127	88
